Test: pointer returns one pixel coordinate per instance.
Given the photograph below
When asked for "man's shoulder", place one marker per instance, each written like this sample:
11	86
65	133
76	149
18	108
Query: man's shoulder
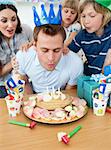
72	55
30	53
73	59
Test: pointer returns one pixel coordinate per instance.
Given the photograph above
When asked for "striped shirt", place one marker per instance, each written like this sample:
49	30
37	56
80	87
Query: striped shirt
94	47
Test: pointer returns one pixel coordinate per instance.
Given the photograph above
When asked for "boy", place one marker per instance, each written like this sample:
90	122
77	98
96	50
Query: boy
95	39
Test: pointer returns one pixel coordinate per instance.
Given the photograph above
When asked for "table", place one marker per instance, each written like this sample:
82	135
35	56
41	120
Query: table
95	134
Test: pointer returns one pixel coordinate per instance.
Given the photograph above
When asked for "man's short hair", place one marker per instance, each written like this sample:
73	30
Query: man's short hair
50	30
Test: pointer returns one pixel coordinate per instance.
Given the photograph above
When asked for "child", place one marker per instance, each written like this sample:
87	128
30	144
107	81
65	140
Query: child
71	24
95	39
69	19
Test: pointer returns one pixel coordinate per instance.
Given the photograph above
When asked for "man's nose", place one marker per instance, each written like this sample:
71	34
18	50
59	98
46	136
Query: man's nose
51	56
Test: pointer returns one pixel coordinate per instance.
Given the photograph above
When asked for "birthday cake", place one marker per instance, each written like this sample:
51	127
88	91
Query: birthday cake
53	100
54	108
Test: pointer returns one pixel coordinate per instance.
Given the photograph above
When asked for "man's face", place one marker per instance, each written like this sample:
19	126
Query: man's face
49	49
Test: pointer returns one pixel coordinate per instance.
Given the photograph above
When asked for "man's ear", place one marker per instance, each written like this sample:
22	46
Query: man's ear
35	43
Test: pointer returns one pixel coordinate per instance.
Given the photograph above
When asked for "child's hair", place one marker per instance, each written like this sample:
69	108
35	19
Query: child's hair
98	8
50	30
73	4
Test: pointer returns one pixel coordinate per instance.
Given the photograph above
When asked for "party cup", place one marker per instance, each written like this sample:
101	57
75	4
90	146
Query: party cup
99	106
13	105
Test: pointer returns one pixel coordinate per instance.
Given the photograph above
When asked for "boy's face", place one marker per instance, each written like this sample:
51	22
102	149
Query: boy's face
68	16
49	50
91	20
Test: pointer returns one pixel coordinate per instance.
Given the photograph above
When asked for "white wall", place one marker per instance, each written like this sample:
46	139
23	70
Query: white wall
25	13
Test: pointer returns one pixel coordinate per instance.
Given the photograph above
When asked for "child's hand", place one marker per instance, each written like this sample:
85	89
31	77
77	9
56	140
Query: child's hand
65	50
107	60
82	56
27	45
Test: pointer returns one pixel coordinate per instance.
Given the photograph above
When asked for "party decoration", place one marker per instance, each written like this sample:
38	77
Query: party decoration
10	2
105	3
15	90
47	12
30	125
66	137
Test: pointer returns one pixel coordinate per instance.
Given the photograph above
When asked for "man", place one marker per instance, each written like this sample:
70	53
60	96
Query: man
45	65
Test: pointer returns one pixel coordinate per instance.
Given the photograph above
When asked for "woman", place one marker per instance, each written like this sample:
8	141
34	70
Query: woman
12	36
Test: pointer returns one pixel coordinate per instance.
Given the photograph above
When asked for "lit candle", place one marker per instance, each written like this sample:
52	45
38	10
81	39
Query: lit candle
53	90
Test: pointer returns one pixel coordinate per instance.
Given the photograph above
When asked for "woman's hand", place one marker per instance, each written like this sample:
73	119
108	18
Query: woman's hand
27	45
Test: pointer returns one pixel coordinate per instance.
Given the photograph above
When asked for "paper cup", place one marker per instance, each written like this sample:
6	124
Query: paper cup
18	106
13	106
10	107
99	106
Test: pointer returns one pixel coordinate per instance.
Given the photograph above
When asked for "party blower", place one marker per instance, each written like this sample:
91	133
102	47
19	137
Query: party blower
30	125
66	137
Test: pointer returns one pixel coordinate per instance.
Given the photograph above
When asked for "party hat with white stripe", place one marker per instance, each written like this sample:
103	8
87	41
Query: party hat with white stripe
47	12
10	2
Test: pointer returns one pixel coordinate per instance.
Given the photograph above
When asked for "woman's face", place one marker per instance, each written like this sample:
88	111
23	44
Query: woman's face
8	22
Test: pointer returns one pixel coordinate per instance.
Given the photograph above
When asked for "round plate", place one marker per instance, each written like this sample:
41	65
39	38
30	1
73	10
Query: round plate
56	121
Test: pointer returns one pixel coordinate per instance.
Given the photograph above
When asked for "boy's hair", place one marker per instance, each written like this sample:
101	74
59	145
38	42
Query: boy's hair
98	8
12	7
50	30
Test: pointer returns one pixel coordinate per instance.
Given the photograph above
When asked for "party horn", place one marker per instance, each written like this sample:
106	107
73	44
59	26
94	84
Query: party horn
30	125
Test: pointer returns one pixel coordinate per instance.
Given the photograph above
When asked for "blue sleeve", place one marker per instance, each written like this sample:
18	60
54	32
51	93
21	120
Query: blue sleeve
75	45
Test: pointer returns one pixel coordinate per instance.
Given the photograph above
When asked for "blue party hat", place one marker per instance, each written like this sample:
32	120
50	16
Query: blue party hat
48	12
10	2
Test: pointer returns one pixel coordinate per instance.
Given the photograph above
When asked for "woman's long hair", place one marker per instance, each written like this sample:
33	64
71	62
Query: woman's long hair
0	67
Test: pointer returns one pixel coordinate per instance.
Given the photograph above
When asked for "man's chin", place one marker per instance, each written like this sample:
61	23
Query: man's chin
50	69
